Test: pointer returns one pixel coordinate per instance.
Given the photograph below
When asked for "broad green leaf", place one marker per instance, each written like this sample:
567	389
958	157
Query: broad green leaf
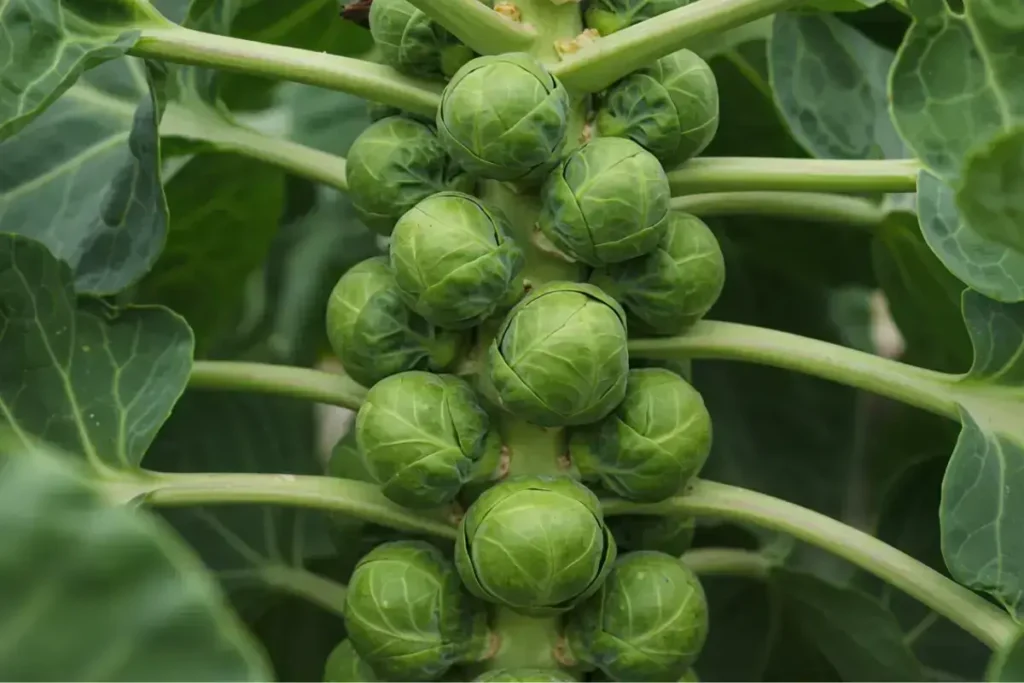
991	196
1008	663
854	631
93	380
45	46
984	265
829	82
98	592
84	178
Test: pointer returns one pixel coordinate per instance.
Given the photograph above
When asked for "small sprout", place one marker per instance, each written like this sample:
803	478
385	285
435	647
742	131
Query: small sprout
524	676
669	108
408	616
504	117
668	290
395	163
560	332
653	444
607	202
609	16
412	43
375	335
423	436
509	10
454	260
552	527
344	666
648	622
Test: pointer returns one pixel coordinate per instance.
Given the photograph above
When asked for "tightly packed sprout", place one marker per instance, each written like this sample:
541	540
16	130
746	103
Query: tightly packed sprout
609	16
412	43
344	665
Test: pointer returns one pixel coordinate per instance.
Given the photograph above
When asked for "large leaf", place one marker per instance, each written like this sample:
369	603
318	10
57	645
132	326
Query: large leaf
93	380
98	592
84	178
991	197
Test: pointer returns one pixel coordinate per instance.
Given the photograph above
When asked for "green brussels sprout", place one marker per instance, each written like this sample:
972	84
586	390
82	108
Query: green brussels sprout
525	676
648	622
375	335
407	615
671	534
395	163
669	108
412	44
654	442
536	544
504	117
344	666
423	436
671	288
609	16
454	260
559	357
606	202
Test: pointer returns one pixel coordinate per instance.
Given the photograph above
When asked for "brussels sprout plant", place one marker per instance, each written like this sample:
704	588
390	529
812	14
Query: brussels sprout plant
511	340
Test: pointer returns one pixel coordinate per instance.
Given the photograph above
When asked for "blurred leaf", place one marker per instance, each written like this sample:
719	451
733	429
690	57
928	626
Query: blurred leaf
1008	663
744	616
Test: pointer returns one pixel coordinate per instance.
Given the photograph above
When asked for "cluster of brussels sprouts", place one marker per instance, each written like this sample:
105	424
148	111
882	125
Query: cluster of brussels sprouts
551	354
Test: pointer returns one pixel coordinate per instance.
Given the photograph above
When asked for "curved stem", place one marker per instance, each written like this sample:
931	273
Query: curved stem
958	604
316	589
283	380
363	79
932	391
810	206
723	174
728	562
478	26
608	59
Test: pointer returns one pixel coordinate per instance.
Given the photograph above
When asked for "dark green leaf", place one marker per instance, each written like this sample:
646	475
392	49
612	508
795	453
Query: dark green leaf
991	197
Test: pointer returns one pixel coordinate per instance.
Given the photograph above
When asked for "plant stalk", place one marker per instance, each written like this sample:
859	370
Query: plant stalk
807	206
728	174
958	604
728	562
283	380
317	589
482	29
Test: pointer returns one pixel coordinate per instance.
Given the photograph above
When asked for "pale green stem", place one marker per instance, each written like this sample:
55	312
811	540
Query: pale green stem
728	562
364	79
727	174
305	584
606	60
478	26
283	380
809	206
958	604
180	121
932	391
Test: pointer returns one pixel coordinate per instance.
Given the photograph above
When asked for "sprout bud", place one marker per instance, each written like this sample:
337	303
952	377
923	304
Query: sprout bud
454	260
375	335
393	164
609	16
559	358
669	108
656	440
423	436
674	286
606	202
648	622
536	544
407	615
344	666
412	43
504	117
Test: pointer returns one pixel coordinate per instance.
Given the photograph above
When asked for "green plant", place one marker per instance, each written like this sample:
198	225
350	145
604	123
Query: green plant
511	341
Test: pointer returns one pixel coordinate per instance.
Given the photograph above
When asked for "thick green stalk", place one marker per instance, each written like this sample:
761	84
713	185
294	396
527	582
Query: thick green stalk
734	174
329	594
371	81
808	206
478	26
728	562
283	380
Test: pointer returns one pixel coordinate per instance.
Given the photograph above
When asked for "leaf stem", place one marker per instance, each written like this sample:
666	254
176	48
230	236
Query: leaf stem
722	174
728	562
478	26
317	589
608	59
958	604
283	380
363	79
926	389
811	206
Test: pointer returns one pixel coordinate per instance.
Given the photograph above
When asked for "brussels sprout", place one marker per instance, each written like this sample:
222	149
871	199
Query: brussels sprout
525	676
423	436
375	335
654	442
671	534
454	260
606	202
669	108
536	544
407	615
413	44
344	665
609	16
504	117
648	622
559	358
395	163
671	288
